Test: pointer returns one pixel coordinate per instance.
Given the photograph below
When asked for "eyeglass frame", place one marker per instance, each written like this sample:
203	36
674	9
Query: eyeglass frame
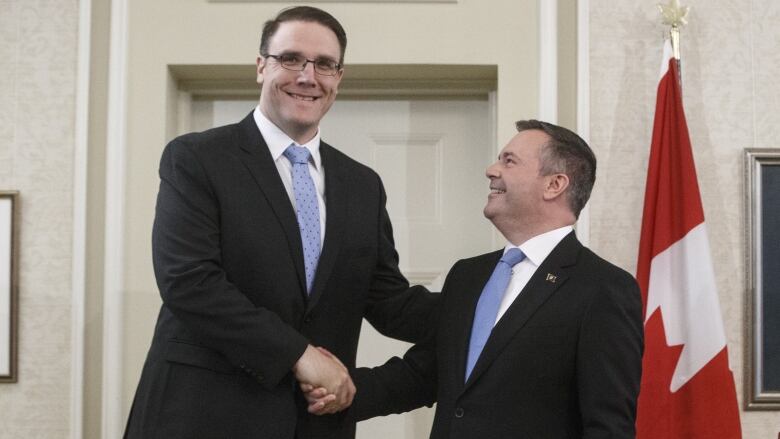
306	61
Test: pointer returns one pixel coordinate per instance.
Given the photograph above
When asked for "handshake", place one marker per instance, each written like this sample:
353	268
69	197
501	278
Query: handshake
324	380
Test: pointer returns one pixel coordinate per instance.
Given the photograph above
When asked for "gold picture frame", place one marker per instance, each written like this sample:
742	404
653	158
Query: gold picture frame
9	286
762	228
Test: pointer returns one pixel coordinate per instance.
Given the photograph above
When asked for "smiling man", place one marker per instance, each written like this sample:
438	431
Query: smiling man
268	242
542	339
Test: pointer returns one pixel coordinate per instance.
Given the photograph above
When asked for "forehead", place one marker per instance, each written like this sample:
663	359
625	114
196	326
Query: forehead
305	37
526	143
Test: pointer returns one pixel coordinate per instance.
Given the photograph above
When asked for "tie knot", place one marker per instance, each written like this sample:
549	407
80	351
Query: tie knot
513	256
297	154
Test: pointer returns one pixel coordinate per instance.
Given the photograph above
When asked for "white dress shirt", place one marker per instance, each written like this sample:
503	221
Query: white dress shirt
536	251
278	142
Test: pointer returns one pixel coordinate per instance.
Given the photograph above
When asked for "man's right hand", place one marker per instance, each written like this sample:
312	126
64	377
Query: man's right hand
320	369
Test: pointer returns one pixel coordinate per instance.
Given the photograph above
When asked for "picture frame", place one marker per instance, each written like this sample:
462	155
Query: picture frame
9	291
762	228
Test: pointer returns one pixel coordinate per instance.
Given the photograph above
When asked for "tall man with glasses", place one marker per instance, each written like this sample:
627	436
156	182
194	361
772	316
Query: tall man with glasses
268	244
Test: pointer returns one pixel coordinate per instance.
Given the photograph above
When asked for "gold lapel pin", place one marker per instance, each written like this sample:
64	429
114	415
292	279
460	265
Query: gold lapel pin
551	278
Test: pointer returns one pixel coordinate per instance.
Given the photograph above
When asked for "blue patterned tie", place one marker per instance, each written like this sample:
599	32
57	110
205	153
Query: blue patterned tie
307	209
487	307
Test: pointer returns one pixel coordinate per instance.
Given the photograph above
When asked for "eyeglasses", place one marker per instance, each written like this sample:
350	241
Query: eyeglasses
297	63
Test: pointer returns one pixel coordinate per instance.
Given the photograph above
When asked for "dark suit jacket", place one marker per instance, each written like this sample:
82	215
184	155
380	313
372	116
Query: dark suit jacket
563	362
235	314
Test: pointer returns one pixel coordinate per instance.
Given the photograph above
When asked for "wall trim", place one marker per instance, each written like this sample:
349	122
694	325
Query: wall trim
112	410
369	81
78	263
338	1
548	60
583	99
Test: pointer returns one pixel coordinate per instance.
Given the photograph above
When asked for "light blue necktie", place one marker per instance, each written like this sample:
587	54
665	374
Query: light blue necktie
307	209
487	307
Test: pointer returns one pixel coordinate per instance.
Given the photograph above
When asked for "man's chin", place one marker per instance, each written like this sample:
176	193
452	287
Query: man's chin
303	125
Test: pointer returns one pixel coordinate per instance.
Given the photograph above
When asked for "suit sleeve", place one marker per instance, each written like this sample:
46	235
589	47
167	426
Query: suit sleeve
398	386
609	360
393	307
193	285
401	385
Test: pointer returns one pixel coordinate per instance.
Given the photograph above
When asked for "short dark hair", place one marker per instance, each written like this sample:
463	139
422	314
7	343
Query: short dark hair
566	153
303	13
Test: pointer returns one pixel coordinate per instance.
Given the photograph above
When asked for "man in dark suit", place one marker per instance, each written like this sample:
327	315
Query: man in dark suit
266	243
540	340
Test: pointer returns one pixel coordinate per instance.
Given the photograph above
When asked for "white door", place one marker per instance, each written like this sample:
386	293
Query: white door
431	155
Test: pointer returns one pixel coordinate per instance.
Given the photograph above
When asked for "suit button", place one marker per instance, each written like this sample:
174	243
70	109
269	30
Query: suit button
459	412
307	320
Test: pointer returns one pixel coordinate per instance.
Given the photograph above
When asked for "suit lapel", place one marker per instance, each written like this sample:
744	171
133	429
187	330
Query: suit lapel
258	160
464	319
548	278
335	204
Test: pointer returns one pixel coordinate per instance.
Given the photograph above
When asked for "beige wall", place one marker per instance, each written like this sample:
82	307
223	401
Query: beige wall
730	65
38	42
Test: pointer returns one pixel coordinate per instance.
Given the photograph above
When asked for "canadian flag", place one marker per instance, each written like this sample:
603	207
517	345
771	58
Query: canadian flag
687	387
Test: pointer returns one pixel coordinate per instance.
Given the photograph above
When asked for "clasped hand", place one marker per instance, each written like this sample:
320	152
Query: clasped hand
325	381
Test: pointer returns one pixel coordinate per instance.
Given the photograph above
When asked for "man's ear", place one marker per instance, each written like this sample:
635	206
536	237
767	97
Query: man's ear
260	66
556	185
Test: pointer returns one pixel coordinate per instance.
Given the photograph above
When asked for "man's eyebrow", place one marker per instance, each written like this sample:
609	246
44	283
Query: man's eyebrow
300	54
506	154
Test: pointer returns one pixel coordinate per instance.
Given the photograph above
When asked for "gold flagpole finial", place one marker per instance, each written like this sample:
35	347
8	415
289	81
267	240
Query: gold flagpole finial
675	16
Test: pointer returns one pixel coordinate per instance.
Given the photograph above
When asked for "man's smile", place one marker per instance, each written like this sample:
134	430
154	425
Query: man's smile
301	97
496	191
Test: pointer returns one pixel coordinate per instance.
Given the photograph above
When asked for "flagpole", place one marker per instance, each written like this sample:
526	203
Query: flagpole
674	36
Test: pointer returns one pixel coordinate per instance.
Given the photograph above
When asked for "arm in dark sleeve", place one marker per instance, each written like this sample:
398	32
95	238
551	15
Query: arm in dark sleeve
193	284
401	385
393	307
609	364
398	386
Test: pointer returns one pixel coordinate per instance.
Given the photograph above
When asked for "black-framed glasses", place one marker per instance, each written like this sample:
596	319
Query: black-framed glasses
297	63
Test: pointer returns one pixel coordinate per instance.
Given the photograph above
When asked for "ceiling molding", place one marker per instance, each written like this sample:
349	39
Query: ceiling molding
338	1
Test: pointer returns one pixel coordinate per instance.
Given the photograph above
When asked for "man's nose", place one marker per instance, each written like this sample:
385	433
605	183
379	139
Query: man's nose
492	171
307	74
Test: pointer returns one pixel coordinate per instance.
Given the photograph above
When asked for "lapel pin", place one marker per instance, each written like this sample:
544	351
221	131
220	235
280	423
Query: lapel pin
551	278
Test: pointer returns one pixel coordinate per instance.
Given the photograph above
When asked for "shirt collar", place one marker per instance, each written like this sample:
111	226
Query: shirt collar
539	247
277	140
